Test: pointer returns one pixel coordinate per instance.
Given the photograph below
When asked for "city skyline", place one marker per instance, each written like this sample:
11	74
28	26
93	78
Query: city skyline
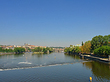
53	22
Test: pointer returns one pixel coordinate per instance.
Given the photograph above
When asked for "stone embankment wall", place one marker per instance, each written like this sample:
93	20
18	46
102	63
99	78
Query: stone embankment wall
95	58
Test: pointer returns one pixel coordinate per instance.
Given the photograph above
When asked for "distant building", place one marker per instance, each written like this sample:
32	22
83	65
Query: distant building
18	46
15	46
8	47
42	46
31	46
72	46
78	45
36	46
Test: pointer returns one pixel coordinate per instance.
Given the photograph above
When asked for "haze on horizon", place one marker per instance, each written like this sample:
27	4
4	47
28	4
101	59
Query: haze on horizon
53	22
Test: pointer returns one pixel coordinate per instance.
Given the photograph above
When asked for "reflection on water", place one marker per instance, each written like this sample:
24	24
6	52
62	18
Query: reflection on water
34	60
73	56
99	70
54	67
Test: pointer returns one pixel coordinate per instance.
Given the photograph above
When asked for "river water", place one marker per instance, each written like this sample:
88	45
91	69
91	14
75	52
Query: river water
54	67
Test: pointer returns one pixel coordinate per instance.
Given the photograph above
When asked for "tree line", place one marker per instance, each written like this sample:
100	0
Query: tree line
44	50
17	50
72	50
6	50
99	45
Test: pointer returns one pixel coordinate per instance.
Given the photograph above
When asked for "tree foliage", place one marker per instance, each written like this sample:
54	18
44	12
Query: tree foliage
67	50
40	49
102	51
19	50
37	49
5	50
86	48
82	43
50	49
99	41
1	49
46	49
96	42
72	50
9	50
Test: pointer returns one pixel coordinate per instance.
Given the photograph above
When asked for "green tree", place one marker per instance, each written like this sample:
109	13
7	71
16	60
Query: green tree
1	49
44	50
50	49
8	50
109	38
77	49
82	43
97	42
86	48
102	51
38	49
19	50
70	50
105	40
67	50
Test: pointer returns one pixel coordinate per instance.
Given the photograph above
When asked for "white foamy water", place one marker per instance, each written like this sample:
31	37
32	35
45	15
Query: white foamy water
37	66
31	61
24	63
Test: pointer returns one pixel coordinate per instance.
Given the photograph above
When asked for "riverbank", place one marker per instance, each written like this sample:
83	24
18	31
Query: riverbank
6	53
104	60
9	53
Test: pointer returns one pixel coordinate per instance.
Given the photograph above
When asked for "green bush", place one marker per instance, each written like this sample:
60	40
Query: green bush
5	50
37	49
19	50
73	50
40	49
104	50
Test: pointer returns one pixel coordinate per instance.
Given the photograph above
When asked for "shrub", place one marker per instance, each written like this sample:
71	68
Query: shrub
104	50
19	50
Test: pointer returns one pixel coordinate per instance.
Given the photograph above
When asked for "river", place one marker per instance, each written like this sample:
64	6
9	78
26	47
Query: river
54	67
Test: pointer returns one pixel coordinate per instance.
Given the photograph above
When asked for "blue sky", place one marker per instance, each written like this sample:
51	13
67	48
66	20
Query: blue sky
53	22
